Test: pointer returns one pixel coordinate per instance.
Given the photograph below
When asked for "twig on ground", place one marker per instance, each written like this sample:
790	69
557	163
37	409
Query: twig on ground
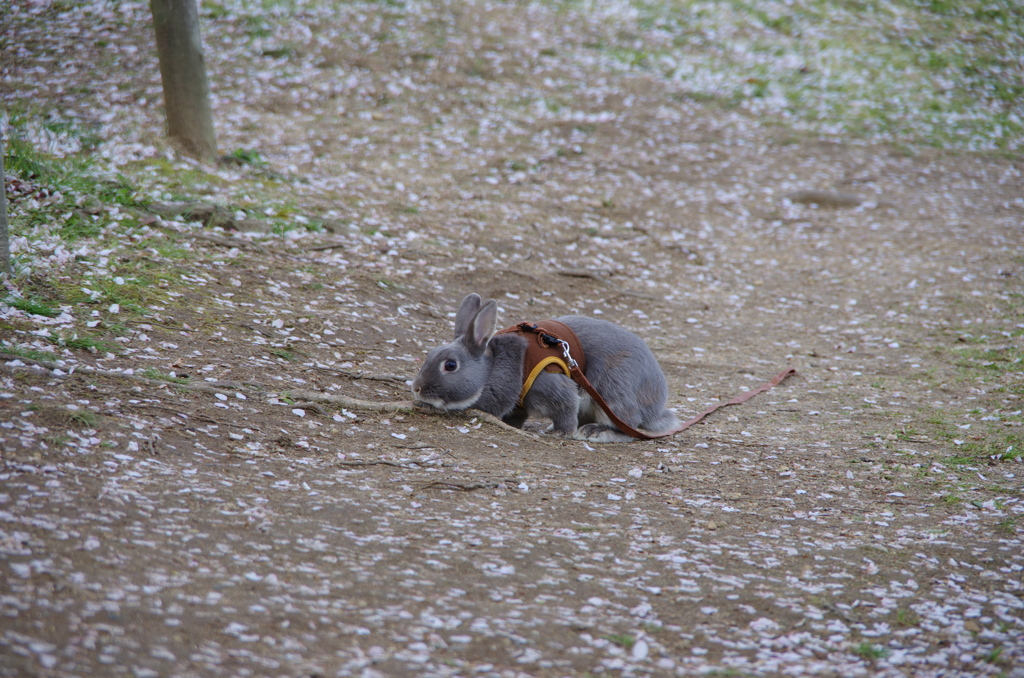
147	321
469	486
641	295
740	443
528	276
224	241
373	462
319	409
326	246
226	384
221	422
309	398
600	275
404	406
417	446
158	407
251	327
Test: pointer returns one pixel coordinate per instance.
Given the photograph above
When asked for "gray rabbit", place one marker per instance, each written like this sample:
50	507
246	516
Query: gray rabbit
485	371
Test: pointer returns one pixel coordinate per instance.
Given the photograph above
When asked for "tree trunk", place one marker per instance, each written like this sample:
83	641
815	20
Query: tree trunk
5	241
183	72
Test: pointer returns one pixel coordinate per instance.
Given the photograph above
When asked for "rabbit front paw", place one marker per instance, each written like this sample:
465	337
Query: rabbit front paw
601	433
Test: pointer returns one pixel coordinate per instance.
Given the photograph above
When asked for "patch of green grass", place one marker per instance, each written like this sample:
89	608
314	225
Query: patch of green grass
58	441
631	56
993	359
134	295
169	249
315	226
833	66
213	10
868	650
283	52
83	343
993	362
1009	525
22	159
391	285
33	306
81	198
247	156
255	26
119	190
994	655
997	447
153	373
182	183
84	418
621	639
30	353
906	617
117	327
75	174
907	434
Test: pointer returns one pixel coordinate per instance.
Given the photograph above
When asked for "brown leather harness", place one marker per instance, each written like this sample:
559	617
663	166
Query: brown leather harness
545	351
552	346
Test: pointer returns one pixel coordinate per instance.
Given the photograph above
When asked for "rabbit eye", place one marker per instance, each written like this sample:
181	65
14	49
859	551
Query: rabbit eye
450	365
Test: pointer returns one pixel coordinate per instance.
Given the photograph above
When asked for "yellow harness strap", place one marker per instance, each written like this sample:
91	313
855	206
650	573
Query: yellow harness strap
546	348
550	360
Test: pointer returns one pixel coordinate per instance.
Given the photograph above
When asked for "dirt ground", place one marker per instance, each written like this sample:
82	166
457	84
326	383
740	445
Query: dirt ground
860	519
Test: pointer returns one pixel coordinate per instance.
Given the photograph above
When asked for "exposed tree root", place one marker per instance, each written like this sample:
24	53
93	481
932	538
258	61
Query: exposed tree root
309	398
319	409
491	419
355	403
405	406
372	462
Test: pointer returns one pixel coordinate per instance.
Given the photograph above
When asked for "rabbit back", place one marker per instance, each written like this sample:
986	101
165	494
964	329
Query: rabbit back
624	371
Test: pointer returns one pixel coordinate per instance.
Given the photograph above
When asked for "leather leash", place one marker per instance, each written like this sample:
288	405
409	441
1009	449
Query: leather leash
582	380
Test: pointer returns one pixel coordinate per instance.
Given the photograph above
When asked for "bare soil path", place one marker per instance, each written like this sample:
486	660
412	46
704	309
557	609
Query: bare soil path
861	519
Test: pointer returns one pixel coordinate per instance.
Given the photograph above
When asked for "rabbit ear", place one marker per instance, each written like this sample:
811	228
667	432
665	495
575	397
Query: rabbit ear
467	311
485	322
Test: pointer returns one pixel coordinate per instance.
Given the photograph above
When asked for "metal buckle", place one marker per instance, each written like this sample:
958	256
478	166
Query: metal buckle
565	354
